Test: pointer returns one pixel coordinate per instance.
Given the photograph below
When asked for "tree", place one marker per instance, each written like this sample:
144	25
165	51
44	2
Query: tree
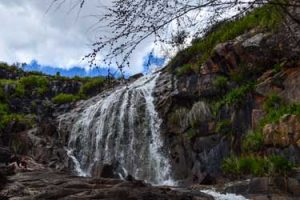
130	22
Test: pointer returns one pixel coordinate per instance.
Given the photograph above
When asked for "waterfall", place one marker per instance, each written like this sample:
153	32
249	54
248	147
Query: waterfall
121	127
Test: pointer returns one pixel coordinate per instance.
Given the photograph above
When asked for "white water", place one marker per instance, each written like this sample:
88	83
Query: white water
123	128
227	196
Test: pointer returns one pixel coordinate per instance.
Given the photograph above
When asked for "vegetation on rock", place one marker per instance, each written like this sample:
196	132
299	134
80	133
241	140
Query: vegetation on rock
65	98
267	17
22	94
88	87
272	165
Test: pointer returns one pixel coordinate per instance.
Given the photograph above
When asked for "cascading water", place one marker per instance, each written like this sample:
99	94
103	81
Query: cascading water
122	127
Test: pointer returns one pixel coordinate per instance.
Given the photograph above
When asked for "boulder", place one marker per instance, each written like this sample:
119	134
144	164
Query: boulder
105	170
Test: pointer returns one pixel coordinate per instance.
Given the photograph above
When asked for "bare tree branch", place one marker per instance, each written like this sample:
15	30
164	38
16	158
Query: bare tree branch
127	23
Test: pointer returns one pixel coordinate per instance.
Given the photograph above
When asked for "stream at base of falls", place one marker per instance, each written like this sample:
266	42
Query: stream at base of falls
220	196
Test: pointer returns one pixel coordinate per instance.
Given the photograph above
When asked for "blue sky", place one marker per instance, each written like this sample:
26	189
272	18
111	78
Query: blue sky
150	61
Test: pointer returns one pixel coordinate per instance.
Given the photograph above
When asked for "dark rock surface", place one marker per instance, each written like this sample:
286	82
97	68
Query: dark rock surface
57	185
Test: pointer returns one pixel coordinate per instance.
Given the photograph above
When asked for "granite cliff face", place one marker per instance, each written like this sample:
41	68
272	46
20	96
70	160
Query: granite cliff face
186	103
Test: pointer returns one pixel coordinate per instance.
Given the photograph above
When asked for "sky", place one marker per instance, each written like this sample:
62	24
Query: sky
56	39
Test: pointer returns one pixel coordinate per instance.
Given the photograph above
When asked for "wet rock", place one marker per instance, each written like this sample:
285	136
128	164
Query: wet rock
136	76
107	171
5	155
3	180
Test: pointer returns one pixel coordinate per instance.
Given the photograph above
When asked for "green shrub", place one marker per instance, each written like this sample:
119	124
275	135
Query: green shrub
36	73
279	165
11	68
231	166
65	98
19	89
3	109
6	119
256	166
274	115
191	133
224	127
221	83
91	85
185	69
216	107
273	101
253	142
237	95
33	82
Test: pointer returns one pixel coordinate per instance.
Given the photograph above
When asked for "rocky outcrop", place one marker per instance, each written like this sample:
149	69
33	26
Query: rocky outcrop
285	83
285	133
266	188
54	185
197	149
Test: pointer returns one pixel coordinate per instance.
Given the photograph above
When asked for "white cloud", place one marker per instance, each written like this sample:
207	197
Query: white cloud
60	38
57	38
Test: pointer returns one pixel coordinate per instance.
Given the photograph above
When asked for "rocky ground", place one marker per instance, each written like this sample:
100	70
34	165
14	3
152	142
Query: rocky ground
45	184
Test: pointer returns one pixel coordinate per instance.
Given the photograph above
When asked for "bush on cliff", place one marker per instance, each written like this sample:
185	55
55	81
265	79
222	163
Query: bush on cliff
253	141
224	127
27	85
91	85
272	165
21	121
221	83
34	82
275	114
273	101
234	97
65	98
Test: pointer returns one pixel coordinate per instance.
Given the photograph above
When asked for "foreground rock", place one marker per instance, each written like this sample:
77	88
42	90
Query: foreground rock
44	184
266	188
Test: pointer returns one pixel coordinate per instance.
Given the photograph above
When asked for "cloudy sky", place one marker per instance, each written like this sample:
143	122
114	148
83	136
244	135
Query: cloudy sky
55	37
